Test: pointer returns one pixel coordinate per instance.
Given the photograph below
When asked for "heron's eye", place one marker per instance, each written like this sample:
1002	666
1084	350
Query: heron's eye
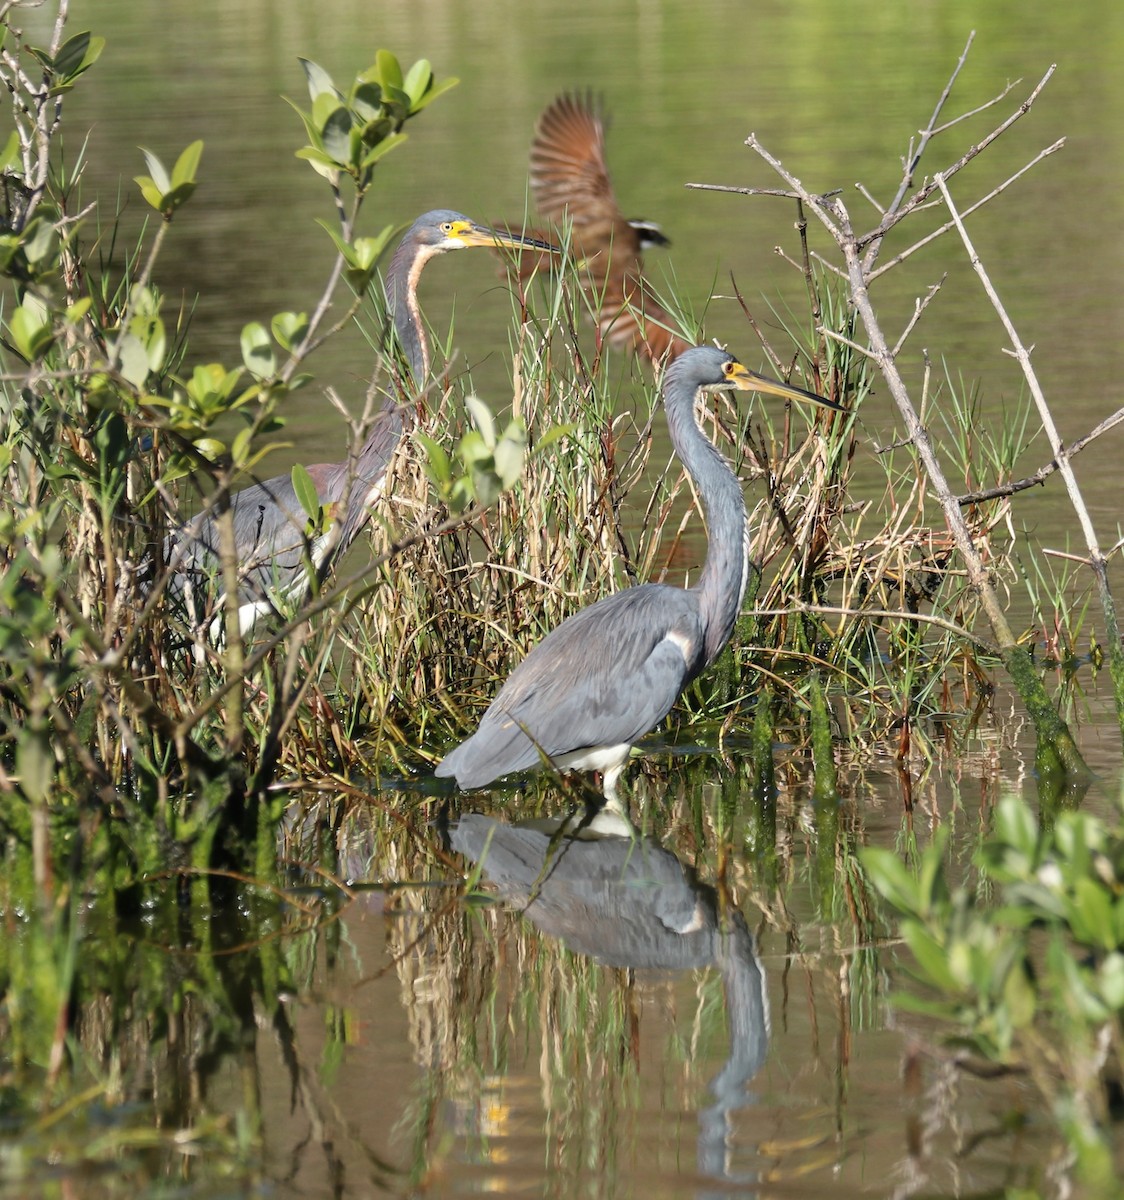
446	226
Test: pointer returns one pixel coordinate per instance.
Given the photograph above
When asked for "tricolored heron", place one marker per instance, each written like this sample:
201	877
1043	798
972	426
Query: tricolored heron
570	181
273	548
611	672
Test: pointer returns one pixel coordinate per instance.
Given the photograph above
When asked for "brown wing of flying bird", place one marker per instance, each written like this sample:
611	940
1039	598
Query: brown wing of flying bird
570	181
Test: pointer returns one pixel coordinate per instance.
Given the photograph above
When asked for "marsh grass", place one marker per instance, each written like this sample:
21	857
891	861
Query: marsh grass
867	593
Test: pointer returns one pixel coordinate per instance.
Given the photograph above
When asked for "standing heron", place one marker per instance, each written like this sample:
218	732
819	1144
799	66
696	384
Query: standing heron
570	181
274	549
608	674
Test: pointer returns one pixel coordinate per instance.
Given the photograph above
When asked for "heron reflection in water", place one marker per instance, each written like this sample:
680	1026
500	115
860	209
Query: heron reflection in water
275	552
632	904
611	672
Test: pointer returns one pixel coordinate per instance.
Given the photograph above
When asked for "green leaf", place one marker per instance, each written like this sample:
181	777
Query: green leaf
510	454
240	446
323	164
78	310
307	495
486	487
290	329
1112	981
35	765
473	450
1015	825
149	330
481	416
30	327
417	80
9	156
368	250
931	956
156	170
187	164
389	70
78	54
38	241
439	467
319	81
555	434
366	99
1094	921
891	879
932	890
336	135
150	191
384	148
1019	996
132	360
438	89
257	351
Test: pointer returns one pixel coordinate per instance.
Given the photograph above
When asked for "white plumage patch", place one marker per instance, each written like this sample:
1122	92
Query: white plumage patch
683	643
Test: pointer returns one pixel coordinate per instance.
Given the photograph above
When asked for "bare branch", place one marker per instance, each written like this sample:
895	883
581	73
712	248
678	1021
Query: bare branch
1096	558
870	240
756	191
980	108
926	135
846	341
891	614
919	306
865	193
943	229
1044	472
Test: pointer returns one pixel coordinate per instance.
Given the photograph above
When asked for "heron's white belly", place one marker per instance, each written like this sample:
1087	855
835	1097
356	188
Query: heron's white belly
594	758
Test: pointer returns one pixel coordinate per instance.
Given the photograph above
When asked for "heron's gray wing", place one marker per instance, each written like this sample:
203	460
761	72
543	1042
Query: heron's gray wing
604	677
269	525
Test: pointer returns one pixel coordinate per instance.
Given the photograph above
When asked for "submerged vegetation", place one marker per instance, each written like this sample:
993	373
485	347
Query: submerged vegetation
149	773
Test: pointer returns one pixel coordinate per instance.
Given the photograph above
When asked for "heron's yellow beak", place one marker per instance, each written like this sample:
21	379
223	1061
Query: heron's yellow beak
746	380
481	235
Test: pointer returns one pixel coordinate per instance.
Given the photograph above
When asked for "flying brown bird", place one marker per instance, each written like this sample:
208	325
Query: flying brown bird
570	181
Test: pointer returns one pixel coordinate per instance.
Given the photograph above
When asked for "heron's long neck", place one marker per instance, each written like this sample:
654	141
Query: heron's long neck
402	304
721	586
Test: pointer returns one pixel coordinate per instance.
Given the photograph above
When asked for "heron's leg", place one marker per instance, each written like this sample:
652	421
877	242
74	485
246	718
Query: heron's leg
613	802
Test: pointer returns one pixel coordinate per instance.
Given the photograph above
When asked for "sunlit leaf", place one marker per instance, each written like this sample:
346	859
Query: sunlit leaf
417	80
336	135
187	164
156	171
481	416
9	156
439	467
438	89
30	327
305	489
35	765
1111	975
319	81
389	70
554	434
78	54
132	360
930	955
257	351
890	877
384	148
290	329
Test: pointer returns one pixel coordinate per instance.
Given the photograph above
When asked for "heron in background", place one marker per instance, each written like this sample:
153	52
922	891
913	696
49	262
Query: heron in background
611	672
275	552
570	182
